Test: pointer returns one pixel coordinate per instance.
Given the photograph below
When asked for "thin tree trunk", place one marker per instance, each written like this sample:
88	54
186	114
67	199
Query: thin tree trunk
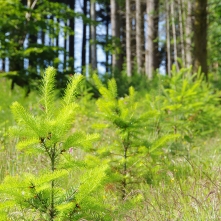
149	39
156	55
138	37
168	38
65	51
174	34
107	36
93	37
3	64
180	6
200	36
128	39
83	51
188	30
115	29
71	39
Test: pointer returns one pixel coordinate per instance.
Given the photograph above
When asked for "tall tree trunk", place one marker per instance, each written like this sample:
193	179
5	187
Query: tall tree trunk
172	6
71	39
168	38
115	31
156	56
200	36
138	37
32	63
83	51
107	21
93	48
128	39
180	7
57	43
3	64
149	65
188	33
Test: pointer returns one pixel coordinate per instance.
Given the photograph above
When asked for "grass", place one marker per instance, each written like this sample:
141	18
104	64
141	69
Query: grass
184	188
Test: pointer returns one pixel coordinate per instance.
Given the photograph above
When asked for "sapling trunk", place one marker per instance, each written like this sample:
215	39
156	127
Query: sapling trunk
51	151
124	182
125	174
53	157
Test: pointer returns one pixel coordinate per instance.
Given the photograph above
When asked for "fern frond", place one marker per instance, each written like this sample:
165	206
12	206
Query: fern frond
72	87
47	90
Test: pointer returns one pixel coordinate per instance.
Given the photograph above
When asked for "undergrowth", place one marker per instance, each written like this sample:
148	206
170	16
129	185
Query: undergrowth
128	155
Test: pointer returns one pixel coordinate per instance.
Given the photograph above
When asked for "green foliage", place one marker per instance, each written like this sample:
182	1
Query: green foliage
44	196
22	21
132	147
154	150
186	105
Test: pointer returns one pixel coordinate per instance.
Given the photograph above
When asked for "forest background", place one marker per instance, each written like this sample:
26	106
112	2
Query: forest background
135	36
126	126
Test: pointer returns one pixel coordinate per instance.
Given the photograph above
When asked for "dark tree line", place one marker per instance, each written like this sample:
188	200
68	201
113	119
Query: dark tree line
142	34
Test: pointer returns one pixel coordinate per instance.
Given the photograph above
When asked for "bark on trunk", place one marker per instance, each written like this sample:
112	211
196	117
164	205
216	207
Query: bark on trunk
180	6
128	39
71	40
83	50
168	38
188	30
149	65
115	31
138	37
93	49
200	36
172	6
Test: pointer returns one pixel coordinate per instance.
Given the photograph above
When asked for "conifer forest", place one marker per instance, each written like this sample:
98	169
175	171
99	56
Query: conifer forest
110	110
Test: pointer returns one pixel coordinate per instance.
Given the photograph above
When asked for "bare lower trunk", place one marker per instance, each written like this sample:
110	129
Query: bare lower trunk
138	37
128	39
172	5
168	38
149	65
188	30
83	50
181	32
71	40
115	31
93	48
200	36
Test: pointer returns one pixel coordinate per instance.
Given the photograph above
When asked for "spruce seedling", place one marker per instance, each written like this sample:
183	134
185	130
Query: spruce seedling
127	156
43	197
125	123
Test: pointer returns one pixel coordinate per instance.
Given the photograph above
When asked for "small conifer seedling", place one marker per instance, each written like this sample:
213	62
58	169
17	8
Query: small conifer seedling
44	196
132	148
